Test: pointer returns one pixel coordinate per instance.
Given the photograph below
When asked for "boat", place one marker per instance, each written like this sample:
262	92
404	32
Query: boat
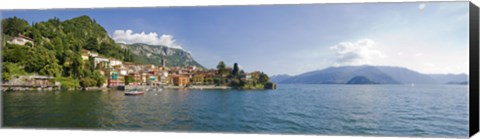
134	92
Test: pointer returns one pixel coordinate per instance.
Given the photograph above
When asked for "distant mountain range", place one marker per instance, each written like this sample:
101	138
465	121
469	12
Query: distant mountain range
367	74
153	54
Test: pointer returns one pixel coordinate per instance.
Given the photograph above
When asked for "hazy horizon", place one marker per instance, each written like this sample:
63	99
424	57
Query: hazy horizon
429	37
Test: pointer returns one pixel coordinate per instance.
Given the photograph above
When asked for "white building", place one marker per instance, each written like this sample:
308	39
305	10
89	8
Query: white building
92	54
123	72
100	59
114	62
20	40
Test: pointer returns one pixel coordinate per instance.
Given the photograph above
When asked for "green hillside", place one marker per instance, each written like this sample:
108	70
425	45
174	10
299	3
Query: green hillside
56	50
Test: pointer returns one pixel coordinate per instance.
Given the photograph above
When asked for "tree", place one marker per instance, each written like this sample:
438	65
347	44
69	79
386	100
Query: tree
16	53
29	44
68	82
221	66
14	26
9	69
52	69
129	79
99	78
92	44
236	82
42	61
87	82
263	78
105	48
222	69
235	70
241	73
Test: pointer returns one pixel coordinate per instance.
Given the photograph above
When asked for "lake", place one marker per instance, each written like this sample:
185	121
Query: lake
369	110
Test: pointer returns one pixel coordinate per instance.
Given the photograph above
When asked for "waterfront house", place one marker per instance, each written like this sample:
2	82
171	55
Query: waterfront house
180	80
137	77
21	40
144	77
163	77
198	78
115	79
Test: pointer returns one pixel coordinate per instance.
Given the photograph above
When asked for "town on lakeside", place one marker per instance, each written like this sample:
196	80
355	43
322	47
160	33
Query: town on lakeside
122	75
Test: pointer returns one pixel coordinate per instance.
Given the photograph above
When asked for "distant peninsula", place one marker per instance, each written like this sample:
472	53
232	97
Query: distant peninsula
361	80
367	74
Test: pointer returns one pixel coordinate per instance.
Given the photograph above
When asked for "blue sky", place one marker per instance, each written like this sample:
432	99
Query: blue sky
427	37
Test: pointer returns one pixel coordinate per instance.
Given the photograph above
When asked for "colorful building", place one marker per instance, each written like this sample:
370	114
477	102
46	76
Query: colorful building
180	80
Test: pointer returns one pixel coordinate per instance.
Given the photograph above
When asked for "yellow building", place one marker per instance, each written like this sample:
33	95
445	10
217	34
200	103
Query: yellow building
198	79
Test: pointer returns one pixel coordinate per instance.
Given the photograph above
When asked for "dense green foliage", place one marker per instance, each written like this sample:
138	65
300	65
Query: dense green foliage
56	50
129	79
9	69
14	26
68	82
237	78
235	70
222	69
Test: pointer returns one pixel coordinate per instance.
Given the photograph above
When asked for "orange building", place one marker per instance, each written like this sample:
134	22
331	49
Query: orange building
181	80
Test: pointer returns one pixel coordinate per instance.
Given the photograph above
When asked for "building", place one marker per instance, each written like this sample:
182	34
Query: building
85	54
98	60
198	79
115	79
21	40
163	77
92	54
144	77
137	78
114	62
253	75
180	80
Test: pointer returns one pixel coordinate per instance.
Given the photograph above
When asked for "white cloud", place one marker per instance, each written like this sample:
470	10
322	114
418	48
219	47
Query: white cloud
419	54
421	6
152	38
400	54
356	53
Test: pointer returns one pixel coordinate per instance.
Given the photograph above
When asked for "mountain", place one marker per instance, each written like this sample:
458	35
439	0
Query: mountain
361	80
341	75
370	74
279	78
153	54
450	78
407	76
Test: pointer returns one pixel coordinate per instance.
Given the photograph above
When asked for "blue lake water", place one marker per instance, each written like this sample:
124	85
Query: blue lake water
368	110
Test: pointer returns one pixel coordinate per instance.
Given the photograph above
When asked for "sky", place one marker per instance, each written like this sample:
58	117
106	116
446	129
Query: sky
429	37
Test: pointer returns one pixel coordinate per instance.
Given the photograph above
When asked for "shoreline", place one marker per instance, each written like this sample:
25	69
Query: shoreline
200	87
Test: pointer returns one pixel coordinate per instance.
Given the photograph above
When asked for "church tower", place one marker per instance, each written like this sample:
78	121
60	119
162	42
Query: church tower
164	62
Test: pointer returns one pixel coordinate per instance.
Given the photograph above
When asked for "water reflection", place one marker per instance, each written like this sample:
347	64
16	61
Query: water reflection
391	110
